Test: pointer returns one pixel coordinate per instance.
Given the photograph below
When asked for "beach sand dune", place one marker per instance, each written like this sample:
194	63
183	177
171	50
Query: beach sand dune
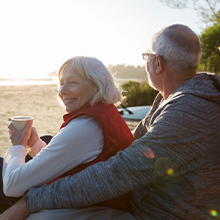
38	101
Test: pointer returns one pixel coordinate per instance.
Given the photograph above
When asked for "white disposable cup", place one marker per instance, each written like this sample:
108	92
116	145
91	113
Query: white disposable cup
19	122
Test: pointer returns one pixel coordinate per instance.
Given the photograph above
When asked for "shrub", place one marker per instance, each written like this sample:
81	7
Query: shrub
138	94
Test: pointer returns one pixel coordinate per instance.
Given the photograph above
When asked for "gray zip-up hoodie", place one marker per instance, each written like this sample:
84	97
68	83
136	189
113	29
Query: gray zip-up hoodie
172	169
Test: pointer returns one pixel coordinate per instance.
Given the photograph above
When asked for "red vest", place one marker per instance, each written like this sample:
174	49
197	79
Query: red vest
117	137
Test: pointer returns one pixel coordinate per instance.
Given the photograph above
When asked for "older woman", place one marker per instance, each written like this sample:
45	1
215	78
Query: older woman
92	131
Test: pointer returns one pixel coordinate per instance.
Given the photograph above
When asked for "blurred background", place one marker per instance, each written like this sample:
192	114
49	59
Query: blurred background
37	36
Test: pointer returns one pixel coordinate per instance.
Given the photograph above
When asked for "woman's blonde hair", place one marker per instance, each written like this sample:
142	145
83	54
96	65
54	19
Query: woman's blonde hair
94	70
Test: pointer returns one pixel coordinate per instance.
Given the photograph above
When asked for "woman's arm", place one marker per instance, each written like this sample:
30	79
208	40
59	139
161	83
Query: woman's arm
36	148
79	142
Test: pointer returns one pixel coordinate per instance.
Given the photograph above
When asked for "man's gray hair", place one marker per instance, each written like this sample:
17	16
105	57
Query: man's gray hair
177	50
94	70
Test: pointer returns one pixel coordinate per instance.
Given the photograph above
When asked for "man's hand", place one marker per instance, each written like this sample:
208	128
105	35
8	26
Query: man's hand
18	211
20	137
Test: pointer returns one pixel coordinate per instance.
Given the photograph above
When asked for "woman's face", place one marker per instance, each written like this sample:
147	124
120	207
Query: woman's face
74	91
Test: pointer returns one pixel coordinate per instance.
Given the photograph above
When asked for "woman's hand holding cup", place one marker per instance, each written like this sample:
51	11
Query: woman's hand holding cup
20	130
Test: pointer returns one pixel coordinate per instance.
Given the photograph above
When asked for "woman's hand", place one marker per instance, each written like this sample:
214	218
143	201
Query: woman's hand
34	137
18	211
33	151
20	137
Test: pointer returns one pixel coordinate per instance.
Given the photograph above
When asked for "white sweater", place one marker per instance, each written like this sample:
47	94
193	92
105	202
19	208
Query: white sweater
79	142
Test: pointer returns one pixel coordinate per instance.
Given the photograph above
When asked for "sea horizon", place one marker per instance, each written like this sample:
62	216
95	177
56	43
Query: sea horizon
22	82
46	81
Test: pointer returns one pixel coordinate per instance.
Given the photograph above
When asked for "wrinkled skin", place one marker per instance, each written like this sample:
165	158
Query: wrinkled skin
21	137
18	211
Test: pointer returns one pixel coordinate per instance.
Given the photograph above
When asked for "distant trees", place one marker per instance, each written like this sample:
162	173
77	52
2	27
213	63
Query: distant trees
53	74
210	42
128	71
138	94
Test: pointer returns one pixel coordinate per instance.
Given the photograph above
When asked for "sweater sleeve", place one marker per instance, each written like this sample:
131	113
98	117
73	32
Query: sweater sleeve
79	142
37	147
169	148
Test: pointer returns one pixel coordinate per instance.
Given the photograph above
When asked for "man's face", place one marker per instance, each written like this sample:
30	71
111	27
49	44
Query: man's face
151	70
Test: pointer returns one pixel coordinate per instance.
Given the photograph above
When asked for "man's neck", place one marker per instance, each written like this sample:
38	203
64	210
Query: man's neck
172	81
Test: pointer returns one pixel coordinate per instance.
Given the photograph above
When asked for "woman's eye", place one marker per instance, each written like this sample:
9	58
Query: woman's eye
73	82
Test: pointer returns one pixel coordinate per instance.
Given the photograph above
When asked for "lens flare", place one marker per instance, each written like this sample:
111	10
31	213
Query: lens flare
214	213
209	200
170	171
164	166
149	153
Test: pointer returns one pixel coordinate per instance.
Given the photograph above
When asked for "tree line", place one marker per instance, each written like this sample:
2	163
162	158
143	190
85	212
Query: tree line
128	71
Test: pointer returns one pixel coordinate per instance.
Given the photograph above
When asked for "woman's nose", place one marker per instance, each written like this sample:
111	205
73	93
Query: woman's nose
63	89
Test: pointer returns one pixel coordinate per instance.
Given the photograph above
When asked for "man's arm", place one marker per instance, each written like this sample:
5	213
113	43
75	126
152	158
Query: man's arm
174	135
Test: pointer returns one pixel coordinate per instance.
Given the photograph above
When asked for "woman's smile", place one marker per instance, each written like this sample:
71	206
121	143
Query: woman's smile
67	101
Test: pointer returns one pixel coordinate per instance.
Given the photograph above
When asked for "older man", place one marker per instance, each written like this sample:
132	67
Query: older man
172	168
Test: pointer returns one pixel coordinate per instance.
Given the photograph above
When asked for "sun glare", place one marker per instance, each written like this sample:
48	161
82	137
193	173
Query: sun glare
39	36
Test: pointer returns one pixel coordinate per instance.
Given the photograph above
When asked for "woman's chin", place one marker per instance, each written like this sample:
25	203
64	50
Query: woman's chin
68	109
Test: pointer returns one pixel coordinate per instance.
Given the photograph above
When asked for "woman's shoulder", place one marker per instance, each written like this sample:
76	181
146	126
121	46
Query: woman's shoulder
83	119
83	123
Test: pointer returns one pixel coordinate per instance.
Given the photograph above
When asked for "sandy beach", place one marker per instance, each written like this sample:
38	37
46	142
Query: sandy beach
38	101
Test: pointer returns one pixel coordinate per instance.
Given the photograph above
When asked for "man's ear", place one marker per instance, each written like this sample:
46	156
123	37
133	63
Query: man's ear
159	64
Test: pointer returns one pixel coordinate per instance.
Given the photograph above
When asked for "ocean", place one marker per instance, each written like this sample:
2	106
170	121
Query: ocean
26	82
22	82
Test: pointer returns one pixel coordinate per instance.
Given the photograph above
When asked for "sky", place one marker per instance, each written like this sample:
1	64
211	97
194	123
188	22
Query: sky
38	36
